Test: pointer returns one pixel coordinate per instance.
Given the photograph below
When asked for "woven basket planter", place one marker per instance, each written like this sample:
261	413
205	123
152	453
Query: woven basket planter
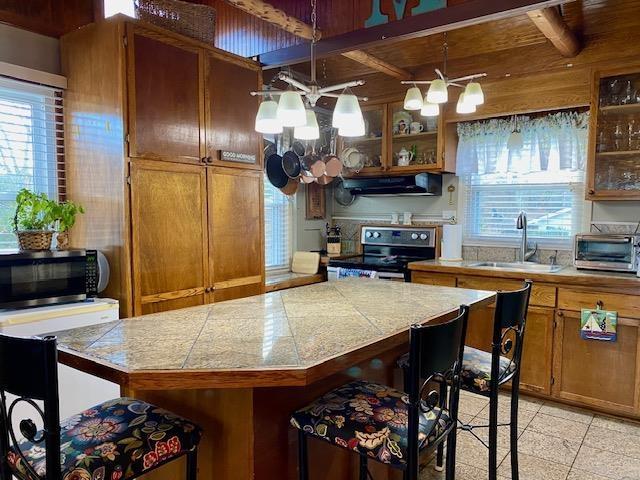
188	19
34	239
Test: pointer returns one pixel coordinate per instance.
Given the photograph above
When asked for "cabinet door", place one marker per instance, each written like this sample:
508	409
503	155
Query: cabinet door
372	147
165	97
593	372
236	232
614	136
169	232
231	111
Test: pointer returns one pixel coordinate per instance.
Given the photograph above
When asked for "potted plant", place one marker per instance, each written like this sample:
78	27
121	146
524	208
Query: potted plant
65	214
33	220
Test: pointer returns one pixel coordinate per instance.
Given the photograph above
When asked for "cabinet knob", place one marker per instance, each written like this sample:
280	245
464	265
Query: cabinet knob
592	191
207	290
600	304
210	160
203	160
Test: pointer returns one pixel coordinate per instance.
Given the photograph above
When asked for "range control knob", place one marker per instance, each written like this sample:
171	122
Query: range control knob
376	234
414	236
423	236
368	234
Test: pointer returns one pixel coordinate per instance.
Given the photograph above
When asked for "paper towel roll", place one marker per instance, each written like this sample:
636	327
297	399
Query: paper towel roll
451	243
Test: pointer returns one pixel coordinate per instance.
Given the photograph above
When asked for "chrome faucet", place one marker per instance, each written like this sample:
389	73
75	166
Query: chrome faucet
525	253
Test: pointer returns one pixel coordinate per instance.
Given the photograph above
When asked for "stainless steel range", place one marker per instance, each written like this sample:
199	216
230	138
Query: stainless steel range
387	251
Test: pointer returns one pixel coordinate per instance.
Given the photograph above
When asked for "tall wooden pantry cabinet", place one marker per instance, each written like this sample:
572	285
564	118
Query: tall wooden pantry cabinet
147	115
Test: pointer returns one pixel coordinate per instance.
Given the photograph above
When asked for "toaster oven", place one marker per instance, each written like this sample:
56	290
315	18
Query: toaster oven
601	251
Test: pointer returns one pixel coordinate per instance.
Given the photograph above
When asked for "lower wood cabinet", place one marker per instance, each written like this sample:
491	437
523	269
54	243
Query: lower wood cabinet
597	373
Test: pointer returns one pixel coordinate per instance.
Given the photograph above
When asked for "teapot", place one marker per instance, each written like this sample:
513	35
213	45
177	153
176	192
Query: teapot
404	157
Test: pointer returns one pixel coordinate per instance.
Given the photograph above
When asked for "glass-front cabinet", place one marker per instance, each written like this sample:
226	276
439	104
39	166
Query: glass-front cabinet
614	147
397	141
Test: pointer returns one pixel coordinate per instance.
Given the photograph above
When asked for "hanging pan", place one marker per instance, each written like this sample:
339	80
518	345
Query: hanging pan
275	172
291	164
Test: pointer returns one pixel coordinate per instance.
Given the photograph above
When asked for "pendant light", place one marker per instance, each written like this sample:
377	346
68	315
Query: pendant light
473	93
267	117
438	90
429	109
291	110
347	110
413	99
353	129
515	142
310	130
464	106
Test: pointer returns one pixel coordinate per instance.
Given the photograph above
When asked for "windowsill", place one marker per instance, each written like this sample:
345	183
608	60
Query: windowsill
280	281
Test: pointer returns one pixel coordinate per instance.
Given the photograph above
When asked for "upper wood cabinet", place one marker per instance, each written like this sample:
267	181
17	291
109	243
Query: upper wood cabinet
230	117
428	143
169	233
165	97
614	135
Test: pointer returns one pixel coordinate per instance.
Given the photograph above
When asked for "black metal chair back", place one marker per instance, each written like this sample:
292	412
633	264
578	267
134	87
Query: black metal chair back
435	358
29	371
508	329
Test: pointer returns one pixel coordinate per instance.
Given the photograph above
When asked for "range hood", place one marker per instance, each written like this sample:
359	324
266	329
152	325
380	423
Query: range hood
423	184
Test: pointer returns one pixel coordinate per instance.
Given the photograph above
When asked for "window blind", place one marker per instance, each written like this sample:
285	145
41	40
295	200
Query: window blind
278	220
31	147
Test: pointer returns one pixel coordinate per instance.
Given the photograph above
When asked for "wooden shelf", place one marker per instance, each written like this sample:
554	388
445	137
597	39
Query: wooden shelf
355	140
628	108
618	153
416	135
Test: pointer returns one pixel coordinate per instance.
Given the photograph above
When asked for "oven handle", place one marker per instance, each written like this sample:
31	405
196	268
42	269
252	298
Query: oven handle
605	240
384	275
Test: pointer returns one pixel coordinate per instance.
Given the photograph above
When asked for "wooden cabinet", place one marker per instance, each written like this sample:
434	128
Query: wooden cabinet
614	136
537	355
165	97
147	112
235	232
430	278
430	146
169	235
541	295
597	373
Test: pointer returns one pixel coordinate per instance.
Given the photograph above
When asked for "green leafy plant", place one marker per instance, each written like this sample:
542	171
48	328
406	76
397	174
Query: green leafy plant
34	211
65	214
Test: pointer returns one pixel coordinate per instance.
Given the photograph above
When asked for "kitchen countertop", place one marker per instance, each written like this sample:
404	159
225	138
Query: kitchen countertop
569	275
285	338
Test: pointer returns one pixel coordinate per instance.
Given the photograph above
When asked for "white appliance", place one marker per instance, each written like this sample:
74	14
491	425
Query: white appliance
78	391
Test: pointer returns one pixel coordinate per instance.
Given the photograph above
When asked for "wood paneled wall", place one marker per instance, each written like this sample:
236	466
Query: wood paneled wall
48	17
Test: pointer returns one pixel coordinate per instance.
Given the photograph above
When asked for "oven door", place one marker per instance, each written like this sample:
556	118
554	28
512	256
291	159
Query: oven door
606	252
393	276
42	278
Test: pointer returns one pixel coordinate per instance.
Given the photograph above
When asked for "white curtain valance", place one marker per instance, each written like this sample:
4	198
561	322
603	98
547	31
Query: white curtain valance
553	142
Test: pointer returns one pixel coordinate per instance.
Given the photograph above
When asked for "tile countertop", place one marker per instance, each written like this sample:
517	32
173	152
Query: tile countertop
566	276
278	337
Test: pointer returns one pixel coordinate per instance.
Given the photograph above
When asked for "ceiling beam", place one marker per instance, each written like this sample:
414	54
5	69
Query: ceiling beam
277	17
550	22
456	16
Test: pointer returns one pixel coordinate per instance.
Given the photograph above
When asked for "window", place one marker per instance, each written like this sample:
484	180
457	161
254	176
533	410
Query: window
278	227
543	175
30	147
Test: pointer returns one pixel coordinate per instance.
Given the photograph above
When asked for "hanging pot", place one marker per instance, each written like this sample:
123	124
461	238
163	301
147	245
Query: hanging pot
291	164
333	165
298	148
291	187
275	172
307	177
324	180
318	167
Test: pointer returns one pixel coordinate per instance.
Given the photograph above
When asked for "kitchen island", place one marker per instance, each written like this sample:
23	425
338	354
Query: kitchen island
239	368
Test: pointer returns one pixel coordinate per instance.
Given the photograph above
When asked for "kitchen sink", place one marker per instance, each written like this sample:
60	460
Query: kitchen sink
524	267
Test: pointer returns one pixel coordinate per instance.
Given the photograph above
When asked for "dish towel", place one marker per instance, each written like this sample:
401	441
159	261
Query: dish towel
356	272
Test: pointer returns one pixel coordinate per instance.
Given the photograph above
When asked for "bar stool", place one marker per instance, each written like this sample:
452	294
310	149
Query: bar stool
480	367
390	426
117	440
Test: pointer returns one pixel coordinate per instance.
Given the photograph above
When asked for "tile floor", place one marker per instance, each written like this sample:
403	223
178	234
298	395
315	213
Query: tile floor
556	442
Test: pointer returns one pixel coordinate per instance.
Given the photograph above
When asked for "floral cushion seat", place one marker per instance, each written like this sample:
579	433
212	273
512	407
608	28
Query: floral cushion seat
369	418
119	439
476	370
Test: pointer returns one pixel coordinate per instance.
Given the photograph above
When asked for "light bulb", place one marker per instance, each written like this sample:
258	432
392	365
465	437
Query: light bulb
347	111
291	112
413	99
267	118
310	130
437	92
113	7
463	106
473	93
430	109
354	129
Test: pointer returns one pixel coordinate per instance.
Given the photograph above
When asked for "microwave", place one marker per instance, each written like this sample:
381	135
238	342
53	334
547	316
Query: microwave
32	279
602	251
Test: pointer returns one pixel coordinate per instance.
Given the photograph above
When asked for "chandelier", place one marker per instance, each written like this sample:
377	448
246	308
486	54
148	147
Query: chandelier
290	109
429	105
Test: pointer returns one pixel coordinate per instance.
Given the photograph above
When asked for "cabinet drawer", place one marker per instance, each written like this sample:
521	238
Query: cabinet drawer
428	278
541	295
577	299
